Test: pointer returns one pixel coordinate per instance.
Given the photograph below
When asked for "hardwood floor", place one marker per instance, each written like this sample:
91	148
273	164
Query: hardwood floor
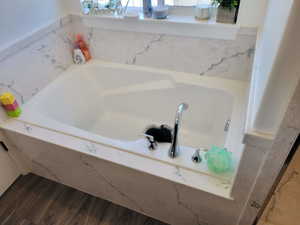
33	200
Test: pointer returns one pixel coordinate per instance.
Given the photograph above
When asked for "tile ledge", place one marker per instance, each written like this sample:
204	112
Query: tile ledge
206	183
174	25
258	139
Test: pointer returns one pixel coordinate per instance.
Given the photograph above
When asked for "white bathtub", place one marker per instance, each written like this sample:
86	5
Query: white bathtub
84	130
112	104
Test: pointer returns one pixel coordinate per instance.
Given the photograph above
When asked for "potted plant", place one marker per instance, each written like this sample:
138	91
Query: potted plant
227	10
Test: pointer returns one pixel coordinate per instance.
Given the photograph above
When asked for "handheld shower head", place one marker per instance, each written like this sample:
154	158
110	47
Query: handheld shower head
183	106
174	149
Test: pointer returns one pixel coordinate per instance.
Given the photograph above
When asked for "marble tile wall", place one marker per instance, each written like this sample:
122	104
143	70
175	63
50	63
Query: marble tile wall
230	59
30	65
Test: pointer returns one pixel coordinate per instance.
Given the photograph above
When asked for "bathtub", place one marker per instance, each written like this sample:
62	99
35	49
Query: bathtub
112	104
85	130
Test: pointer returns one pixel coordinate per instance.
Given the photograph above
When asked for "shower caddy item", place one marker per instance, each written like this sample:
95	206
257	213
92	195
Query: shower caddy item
82	45
78	56
196	157
10	105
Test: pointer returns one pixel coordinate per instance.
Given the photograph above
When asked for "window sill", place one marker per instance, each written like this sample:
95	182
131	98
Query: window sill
178	25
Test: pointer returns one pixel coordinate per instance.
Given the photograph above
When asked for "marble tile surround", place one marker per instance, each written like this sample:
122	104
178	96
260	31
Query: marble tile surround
82	165
98	170
30	67
34	62
204	57
78	166
278	152
230	59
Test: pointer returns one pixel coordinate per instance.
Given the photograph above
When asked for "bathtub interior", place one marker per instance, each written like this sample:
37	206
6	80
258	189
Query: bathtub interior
121	103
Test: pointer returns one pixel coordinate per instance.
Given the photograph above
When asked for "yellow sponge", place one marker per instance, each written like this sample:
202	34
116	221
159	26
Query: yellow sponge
7	98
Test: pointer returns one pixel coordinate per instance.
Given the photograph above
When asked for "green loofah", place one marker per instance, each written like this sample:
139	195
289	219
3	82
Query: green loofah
219	160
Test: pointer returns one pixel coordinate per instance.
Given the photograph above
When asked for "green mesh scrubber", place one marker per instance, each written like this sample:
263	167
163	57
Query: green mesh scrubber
219	160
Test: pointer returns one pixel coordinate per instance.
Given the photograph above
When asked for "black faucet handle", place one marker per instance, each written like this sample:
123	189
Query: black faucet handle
152	142
196	158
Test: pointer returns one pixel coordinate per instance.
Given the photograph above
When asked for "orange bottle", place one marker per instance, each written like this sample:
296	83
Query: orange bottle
82	45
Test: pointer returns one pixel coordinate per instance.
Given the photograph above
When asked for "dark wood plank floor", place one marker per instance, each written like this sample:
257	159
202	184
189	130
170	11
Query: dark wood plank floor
33	200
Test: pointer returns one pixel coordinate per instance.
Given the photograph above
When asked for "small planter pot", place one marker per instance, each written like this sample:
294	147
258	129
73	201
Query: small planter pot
225	15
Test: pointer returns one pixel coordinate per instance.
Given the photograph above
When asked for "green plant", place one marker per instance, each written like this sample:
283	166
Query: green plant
229	4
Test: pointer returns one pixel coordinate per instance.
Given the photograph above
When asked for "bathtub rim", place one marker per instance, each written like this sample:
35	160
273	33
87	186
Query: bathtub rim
213	185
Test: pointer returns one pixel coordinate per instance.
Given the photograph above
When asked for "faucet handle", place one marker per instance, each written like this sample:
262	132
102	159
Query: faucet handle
196	158
152	142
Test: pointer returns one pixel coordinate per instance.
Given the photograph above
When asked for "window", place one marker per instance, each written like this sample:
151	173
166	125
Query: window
139	3
183	8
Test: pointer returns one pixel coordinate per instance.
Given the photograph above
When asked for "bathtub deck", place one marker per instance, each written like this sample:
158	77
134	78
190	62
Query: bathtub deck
33	200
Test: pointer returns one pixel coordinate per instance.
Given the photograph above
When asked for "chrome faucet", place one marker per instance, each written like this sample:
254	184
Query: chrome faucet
174	149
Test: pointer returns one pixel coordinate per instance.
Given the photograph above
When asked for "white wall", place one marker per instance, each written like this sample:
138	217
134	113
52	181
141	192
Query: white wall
277	72
20	17
252	13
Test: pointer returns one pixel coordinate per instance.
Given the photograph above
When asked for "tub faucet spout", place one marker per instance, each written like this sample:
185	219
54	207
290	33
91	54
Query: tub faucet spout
174	149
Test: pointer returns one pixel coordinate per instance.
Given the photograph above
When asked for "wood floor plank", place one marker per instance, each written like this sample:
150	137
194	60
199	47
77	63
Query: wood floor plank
12	190
150	221
133	218
10	196
130	217
28	202
117	215
27	222
97	211
45	200
112	215
16	200
81	216
56	209
72	208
